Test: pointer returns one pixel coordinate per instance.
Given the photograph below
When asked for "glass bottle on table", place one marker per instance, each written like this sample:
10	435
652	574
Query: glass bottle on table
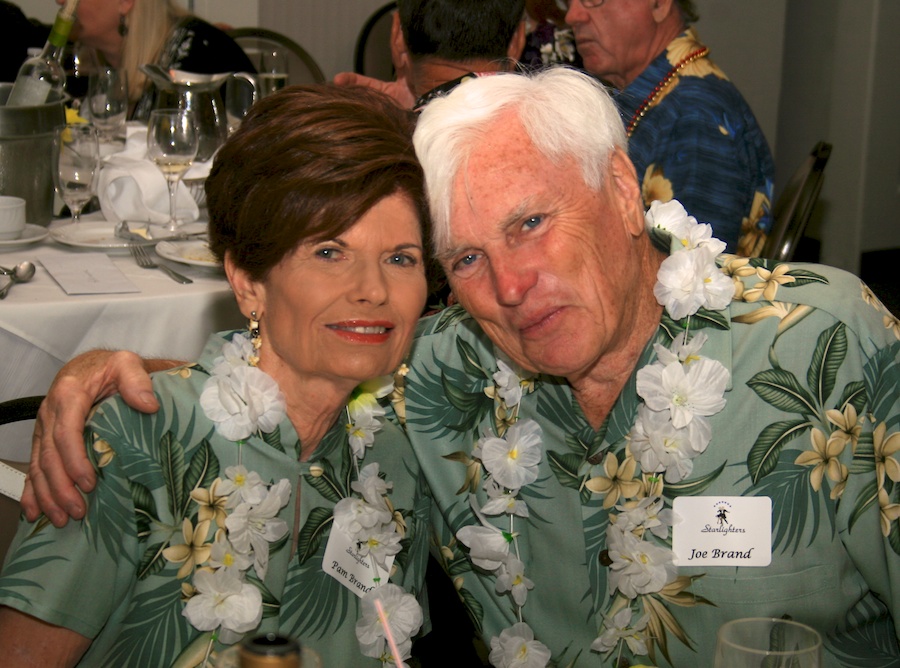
43	74
172	143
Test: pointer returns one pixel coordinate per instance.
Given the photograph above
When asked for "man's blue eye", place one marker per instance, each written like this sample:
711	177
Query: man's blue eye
467	260
533	222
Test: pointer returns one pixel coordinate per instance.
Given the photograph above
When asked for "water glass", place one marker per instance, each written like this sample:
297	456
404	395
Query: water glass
172	142
761	642
76	159
108	101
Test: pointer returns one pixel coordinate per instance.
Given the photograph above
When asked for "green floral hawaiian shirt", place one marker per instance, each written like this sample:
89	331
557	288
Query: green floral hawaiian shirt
812	422
106	577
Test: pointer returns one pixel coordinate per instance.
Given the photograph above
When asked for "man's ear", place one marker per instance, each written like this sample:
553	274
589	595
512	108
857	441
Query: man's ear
626	190
249	294
517	43
399	50
662	8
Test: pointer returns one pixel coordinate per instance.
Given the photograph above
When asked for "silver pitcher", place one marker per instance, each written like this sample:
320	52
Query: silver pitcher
201	94
26	154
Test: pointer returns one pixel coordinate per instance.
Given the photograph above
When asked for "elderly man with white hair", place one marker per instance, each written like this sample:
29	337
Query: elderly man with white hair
630	438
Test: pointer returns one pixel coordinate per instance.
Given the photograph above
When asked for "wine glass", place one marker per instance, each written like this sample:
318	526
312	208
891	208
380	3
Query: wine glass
172	144
76	158
773	643
108	101
273	69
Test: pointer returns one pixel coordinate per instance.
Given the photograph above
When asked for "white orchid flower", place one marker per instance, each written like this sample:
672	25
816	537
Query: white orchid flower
638	566
516	647
513	460
511	578
243	402
403	615
254	527
488	545
659	446
685	391
223	600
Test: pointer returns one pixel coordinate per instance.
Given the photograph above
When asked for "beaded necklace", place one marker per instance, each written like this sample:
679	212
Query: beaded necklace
649	101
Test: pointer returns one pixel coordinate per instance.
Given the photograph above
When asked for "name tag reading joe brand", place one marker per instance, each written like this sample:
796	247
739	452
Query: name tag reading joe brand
345	564
722	531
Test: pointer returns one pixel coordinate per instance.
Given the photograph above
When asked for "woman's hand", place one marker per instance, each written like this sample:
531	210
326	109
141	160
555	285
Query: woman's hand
58	459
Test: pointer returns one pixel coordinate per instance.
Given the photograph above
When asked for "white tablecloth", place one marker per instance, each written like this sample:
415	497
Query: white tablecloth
41	327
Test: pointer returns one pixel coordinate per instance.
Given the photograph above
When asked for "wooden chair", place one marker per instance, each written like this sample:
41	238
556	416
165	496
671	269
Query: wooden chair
372	55
12	474
795	205
302	67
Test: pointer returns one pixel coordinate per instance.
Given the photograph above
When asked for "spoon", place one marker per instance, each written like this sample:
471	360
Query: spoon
21	273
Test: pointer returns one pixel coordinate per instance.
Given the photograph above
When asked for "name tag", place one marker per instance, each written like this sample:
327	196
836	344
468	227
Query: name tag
345	564
722	531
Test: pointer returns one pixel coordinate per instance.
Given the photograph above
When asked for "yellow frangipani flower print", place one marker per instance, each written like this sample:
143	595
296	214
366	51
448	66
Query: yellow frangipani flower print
194	551
770	281
618	481
104	451
885	449
849	425
824	459
656	186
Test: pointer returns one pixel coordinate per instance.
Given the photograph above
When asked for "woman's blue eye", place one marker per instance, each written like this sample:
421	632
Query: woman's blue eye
404	259
327	253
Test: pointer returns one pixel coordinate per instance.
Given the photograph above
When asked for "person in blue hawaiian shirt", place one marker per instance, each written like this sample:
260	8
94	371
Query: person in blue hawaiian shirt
609	387
692	136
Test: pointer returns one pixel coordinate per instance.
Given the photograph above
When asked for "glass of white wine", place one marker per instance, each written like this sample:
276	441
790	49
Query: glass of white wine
762	642
76	160
273	70
172	141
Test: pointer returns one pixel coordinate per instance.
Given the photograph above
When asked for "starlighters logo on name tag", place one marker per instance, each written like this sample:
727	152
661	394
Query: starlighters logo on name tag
722	531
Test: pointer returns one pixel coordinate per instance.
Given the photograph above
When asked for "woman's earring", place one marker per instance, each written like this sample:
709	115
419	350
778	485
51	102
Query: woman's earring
255	338
123	27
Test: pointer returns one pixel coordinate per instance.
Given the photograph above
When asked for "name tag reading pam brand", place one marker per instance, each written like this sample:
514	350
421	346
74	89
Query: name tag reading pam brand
722	531
345	564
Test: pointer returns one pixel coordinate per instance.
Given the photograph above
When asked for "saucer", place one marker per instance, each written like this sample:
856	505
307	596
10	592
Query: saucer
30	235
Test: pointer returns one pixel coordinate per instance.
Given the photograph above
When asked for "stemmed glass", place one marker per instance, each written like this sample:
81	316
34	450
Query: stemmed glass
172	144
76	160
764	642
108	101
273	70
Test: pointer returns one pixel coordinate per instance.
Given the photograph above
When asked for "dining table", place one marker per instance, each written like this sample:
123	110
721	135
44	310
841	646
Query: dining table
42	325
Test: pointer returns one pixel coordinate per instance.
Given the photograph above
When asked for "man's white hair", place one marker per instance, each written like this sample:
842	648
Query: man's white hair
567	115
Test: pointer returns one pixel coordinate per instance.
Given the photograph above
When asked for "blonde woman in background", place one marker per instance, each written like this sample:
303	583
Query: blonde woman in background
129	33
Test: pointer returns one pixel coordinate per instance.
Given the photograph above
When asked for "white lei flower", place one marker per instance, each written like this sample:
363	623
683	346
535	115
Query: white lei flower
680	390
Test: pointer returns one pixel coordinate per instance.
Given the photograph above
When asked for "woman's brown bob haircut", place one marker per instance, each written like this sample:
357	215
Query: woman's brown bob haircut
305	165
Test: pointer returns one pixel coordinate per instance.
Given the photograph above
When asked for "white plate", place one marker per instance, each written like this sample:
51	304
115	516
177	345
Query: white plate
32	234
102	234
193	252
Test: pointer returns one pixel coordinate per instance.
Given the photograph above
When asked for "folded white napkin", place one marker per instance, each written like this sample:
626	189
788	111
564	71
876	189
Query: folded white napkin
131	187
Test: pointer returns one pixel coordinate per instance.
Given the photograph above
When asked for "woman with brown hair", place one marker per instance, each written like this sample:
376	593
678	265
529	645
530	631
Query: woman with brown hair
273	491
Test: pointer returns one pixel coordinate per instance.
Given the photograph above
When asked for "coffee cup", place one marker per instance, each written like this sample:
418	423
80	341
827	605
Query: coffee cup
12	217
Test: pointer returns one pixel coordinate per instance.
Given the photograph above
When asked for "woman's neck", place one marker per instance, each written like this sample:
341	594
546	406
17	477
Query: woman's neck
313	405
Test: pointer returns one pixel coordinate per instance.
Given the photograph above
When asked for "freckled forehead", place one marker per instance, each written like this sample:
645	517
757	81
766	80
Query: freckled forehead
503	168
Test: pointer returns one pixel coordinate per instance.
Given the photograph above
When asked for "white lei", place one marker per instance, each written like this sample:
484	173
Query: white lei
243	400
680	390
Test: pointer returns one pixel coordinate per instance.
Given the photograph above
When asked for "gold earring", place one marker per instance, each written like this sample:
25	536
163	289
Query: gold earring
255	338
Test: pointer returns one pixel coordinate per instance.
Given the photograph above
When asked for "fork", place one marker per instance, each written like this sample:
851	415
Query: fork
139	253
